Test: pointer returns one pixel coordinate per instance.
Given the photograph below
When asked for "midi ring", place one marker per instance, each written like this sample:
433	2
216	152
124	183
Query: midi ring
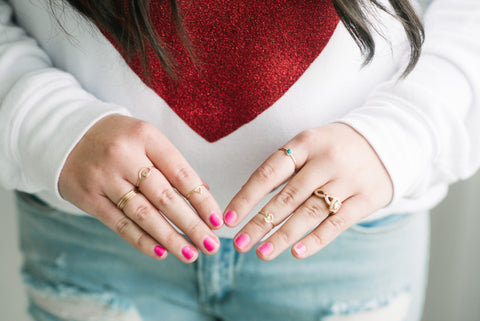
333	203
288	152
198	189
125	198
142	174
268	218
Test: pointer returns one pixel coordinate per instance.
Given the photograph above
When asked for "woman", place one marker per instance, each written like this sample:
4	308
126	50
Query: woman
156	114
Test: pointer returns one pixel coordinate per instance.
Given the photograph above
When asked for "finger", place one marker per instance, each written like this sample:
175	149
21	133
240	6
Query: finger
297	190
353	210
163	197
170	162
306	217
153	222
112	217
148	218
272	173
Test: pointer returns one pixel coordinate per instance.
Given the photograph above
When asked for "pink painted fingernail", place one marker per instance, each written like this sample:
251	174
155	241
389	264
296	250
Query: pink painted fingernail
230	217
188	252
160	251
215	219
266	249
242	241
300	249
210	243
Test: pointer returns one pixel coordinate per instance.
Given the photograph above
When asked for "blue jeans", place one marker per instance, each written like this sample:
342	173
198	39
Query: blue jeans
75	268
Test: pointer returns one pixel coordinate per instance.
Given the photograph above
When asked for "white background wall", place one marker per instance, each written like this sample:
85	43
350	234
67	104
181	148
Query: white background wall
454	282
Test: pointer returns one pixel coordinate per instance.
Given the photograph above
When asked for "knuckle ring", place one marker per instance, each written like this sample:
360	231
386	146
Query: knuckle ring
333	203
288	152
198	189
126	197
268	218
142	174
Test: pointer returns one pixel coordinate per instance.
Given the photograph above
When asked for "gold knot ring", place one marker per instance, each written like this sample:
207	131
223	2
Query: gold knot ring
268	218
333	203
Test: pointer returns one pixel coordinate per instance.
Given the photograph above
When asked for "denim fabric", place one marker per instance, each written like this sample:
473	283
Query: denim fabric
75	268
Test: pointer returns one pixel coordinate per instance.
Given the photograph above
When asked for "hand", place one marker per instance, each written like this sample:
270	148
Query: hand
334	158
104	166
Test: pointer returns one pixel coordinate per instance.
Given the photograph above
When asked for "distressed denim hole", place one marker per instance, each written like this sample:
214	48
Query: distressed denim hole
395	309
68	303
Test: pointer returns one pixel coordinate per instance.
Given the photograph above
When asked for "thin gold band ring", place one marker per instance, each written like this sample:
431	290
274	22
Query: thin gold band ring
125	198
288	152
198	189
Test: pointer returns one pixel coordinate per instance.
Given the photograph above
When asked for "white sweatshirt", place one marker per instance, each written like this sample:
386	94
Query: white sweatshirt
425	129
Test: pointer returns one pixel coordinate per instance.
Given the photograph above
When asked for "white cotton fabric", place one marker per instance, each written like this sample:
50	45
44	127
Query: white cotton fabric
425	128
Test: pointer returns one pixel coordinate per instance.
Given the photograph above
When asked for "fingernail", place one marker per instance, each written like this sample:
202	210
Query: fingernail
216	219
188	252
266	249
230	217
300	249
210	243
160	251
242	241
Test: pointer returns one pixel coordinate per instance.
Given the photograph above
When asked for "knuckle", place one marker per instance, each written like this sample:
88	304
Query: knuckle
259	224
166	197
123	226
266	172
140	241
335	223
313	210
317	240
116	148
283	237
183	173
170	239
196	227
333	152
287	196
142	213
242	200
306	137
144	130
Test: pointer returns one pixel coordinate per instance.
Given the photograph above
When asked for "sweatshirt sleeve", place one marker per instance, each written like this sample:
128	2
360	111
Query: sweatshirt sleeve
44	112
426	128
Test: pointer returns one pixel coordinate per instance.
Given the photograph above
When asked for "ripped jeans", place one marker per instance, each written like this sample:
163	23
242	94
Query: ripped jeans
77	269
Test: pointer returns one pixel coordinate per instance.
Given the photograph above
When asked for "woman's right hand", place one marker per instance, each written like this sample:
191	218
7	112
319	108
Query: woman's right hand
104	166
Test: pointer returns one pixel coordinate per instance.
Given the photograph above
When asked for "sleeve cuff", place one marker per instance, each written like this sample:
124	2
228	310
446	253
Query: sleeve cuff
51	113
413	124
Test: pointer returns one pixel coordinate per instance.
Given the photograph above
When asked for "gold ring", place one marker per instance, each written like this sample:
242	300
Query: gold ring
143	173
198	189
288	152
125	198
268	218
333	203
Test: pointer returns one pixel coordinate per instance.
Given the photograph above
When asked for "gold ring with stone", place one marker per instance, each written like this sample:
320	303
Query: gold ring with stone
333	203
268	218
288	152
142	174
125	198
198	189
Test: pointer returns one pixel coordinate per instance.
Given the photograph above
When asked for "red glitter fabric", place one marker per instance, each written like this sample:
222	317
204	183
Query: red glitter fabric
251	52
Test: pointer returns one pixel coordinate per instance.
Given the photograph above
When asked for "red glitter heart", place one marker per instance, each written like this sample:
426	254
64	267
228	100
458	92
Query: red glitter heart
251	52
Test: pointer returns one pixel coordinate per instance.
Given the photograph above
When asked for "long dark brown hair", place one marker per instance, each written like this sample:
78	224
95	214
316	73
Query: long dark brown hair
130	25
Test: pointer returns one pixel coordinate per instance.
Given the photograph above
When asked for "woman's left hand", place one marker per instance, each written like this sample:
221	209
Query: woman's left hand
334	158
